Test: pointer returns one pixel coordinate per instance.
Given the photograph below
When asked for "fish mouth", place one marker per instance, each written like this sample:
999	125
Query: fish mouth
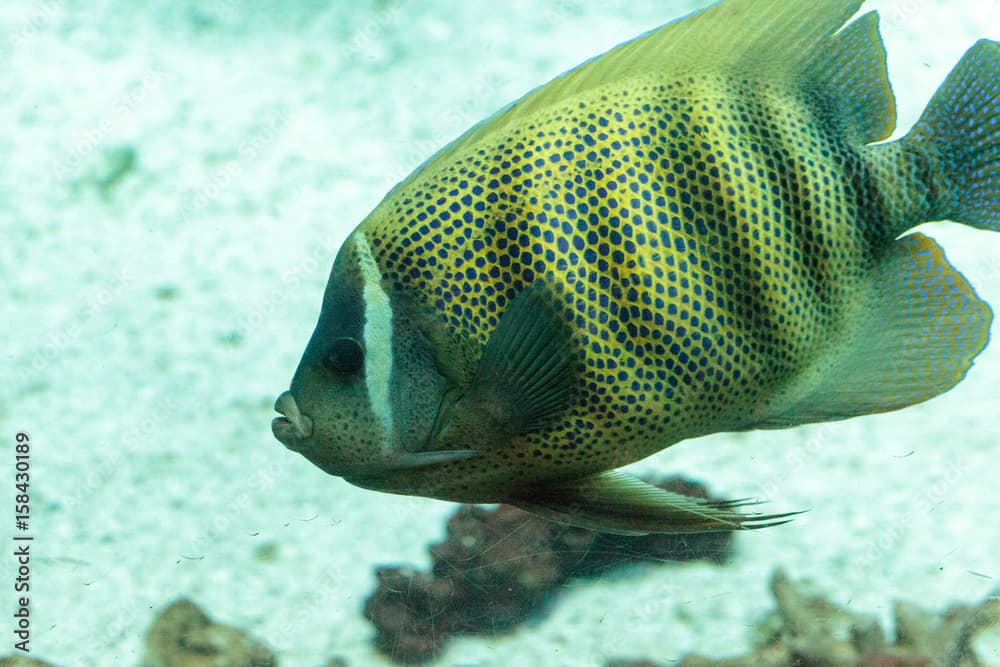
292	426
293	429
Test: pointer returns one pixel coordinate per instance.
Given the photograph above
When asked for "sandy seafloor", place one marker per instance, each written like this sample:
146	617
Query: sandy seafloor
152	312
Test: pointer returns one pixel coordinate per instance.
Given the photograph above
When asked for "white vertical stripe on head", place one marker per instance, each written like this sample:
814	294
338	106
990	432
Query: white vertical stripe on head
378	338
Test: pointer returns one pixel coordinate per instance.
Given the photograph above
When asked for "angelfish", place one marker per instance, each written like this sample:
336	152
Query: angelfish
701	230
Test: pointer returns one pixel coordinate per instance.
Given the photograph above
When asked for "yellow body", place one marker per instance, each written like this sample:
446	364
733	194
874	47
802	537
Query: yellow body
706	209
718	234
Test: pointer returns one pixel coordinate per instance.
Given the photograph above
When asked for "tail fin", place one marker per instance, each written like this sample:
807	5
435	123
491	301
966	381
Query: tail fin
962	125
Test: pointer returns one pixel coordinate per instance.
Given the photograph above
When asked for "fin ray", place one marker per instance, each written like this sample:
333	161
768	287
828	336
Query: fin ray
530	358
526	377
615	502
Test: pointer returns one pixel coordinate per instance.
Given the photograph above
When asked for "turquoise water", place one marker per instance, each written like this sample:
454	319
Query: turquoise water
179	177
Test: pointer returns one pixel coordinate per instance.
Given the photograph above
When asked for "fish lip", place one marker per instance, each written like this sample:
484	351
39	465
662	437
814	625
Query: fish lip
292	426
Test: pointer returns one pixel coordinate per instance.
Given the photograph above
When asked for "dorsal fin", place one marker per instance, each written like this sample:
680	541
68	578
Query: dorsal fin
770	39
774	37
850	73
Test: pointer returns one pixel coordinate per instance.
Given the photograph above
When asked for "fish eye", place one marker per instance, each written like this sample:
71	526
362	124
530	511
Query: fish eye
345	356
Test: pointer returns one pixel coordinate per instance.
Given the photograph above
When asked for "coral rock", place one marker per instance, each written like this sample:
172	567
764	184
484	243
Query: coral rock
496	568
183	636
22	661
806	629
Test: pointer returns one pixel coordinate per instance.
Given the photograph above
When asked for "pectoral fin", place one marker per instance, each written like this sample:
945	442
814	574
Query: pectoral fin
614	502
525	379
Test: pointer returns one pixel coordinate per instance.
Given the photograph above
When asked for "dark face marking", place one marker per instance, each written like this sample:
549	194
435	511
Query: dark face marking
367	390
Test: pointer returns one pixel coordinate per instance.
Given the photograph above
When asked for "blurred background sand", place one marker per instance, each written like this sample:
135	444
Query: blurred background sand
178	178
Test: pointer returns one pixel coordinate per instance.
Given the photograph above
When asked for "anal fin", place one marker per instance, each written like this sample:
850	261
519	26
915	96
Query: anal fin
614	502
921	328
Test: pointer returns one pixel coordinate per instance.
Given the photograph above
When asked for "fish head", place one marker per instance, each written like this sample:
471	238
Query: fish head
364	398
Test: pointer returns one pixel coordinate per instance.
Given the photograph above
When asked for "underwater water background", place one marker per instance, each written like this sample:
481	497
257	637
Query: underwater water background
179	176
